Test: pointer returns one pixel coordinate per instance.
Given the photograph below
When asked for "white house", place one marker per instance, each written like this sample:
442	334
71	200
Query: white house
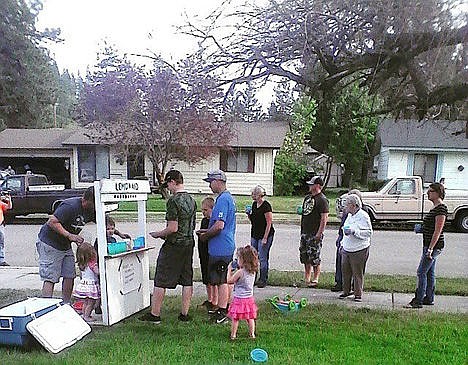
430	149
69	157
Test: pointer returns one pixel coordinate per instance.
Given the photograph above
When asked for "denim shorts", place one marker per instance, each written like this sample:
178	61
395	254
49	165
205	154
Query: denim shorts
54	263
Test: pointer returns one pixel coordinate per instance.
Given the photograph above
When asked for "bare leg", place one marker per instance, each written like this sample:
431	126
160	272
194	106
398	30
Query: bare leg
208	292
223	295
316	273
187	292
234	325
47	289
214	291
67	288
307	273
251	323
88	308
158	297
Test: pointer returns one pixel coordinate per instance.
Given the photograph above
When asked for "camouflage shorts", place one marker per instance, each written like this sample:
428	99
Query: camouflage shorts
309	249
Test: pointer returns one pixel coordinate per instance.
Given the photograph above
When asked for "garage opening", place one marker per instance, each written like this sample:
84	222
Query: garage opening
57	169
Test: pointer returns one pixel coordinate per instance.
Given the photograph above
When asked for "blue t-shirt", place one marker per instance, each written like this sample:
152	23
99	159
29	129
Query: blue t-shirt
223	244
72	217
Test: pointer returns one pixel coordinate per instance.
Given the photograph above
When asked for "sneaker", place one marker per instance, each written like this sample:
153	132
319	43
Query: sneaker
148	317
261	284
221	316
336	288
427	302
4	263
344	295
357	299
184	317
413	304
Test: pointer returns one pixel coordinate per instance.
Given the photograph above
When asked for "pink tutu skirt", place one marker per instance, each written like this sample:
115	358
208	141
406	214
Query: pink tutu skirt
243	308
87	289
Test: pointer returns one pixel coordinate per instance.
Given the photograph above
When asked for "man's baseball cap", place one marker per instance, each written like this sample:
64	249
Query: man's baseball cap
171	175
215	175
315	180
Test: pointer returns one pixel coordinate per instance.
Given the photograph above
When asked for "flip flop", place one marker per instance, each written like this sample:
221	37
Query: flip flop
313	284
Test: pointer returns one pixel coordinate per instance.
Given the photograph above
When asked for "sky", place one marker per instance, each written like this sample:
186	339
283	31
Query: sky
85	24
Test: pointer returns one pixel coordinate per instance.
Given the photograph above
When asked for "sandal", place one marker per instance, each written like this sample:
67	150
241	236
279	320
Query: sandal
313	284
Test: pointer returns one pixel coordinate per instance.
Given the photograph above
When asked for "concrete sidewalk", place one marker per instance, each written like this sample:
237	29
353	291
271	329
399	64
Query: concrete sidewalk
28	278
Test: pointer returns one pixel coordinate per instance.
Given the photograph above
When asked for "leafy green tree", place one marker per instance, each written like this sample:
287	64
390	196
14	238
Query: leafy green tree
344	134
290	168
28	76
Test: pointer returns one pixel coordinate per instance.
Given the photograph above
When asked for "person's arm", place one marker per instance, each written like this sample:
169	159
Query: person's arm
232	276
439	226
323	224
121	234
269	220
94	268
363	227
214	230
55	225
171	227
6	202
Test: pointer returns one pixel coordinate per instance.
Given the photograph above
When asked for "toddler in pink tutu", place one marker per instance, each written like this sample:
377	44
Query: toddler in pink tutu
243	305
88	288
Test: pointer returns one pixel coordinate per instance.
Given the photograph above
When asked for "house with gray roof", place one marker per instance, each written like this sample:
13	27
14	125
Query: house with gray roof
70	157
432	149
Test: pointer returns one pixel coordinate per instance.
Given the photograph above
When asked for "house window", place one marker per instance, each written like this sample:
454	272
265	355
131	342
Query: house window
425	165
238	160
86	164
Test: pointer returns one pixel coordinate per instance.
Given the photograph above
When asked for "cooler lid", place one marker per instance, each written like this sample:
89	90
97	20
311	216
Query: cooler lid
59	328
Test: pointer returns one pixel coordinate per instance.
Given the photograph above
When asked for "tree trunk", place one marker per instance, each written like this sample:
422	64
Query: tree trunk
365	171
347	178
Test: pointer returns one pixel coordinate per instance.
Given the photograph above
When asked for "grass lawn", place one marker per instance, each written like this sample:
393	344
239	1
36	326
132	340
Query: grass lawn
318	334
280	204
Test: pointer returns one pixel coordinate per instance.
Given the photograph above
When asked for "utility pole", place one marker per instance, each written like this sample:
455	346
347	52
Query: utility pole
55	115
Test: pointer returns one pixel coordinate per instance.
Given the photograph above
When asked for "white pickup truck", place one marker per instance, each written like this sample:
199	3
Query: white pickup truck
404	198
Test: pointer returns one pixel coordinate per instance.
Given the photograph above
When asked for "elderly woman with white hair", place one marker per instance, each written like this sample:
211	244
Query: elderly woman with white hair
357	231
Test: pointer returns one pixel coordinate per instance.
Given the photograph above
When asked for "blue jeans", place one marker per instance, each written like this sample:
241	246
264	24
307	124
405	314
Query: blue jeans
426	277
2	243
263	255
338	272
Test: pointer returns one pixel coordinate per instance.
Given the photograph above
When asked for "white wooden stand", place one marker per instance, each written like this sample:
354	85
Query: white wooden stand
124	277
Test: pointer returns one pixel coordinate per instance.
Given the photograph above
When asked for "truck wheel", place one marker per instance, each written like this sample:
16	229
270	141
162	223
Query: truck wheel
462	221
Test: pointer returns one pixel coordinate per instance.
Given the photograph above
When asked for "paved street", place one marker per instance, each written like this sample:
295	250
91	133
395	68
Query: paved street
392	252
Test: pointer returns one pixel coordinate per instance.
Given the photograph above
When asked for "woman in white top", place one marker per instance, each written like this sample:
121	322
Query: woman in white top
357	230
